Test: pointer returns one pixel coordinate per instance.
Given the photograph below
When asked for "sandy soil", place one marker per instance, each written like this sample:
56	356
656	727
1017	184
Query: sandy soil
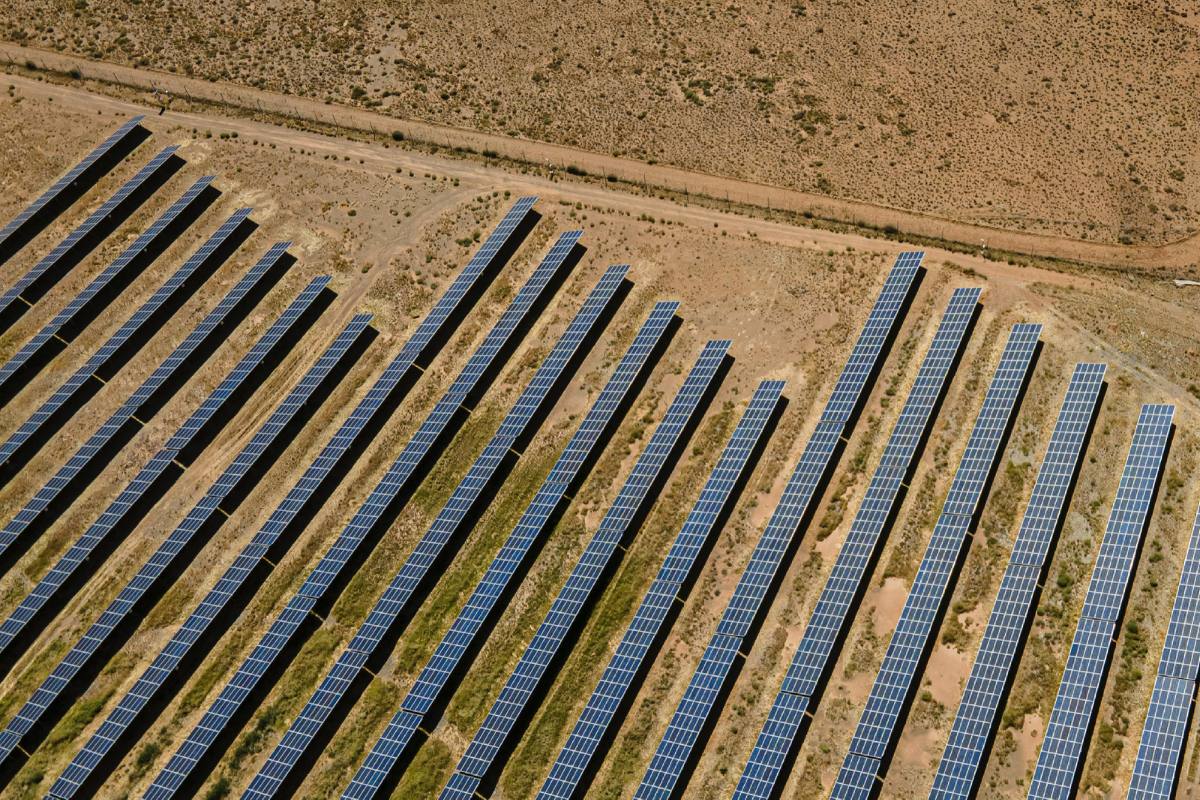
386	224
1076	118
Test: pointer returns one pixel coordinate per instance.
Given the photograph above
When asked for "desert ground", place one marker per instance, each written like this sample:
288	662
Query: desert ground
392	224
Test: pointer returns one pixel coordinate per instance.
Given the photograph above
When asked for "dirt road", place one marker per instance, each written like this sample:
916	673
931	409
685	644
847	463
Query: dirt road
1175	255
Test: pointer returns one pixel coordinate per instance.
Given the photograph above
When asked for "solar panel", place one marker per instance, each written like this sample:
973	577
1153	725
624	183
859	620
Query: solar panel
1061	757
54	412
582	585
834	610
83	308
370	643
771	553
966	748
1156	769
881	720
109	631
30	287
319	586
637	645
273	538
70	478
148	485
67	189
534	523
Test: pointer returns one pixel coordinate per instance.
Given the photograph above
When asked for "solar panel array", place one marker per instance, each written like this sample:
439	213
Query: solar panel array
1156	769
962	761
53	413
638	643
831	617
615	529
34	283
67	324
434	680
261	552
105	634
1061	757
177	453
881	720
319	586
56	492
34	217
369	643
770	553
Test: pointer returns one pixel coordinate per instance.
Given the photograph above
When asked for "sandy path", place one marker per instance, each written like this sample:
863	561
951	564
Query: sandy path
1185	252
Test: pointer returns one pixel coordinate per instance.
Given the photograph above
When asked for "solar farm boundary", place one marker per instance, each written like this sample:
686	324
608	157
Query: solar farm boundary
134	714
85	237
952	519
89	655
54	337
71	186
592	318
308	605
1055	532
577	475
1121	606
682	587
194	433
789	521
151	404
103	365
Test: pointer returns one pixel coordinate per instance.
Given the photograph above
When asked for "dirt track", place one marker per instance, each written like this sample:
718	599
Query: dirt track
1176	255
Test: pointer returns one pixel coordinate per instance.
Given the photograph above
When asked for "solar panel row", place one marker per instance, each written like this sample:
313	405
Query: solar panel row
1061	758
616	528
881	720
100	367
780	737
773	549
67	189
962	762
66	483
1160	753
433	683
265	548
639	642
105	635
321	585
153	479
83	308
372	641
79	242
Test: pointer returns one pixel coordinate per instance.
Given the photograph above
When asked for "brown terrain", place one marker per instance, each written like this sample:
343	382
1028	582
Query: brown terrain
1070	146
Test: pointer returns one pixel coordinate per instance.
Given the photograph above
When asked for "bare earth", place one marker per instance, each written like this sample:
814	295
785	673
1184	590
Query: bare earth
389	225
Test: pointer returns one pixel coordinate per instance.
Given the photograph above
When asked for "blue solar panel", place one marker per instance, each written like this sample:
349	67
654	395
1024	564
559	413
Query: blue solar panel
261	552
369	642
375	510
770	554
50	415
1061	757
1164	735
881	720
34	283
104	635
144	487
84	307
584	581
963	759
534	523
34	217
636	647
834	609
55	493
